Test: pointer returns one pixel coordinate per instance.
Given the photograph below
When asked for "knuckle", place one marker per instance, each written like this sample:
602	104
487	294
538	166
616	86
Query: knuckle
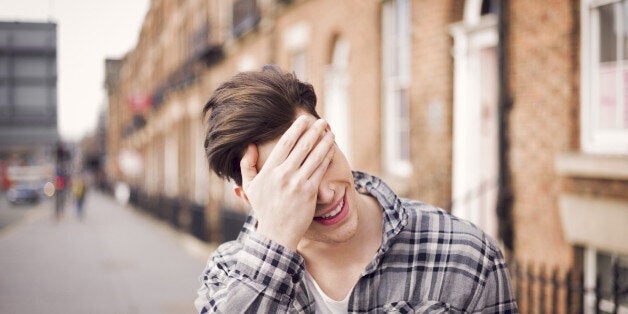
293	186
297	182
285	143
307	145
282	175
309	188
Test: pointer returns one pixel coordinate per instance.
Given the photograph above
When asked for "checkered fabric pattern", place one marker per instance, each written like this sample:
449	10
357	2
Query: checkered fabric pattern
429	262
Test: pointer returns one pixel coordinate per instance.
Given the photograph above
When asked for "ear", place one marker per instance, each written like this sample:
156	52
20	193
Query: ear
239	192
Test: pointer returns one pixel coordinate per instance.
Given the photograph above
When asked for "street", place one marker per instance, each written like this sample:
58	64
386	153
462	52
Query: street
115	260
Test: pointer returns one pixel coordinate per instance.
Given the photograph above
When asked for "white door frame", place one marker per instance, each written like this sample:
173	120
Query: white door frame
470	36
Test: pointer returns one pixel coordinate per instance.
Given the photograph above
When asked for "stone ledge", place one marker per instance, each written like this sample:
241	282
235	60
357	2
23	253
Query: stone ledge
581	165
595	222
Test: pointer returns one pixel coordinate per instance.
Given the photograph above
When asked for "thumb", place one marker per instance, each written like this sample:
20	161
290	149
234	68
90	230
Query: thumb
248	164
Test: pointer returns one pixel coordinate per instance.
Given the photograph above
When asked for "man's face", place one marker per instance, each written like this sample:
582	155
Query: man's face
336	216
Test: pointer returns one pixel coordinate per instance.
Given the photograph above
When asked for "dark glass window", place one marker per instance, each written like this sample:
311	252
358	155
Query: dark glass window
489	6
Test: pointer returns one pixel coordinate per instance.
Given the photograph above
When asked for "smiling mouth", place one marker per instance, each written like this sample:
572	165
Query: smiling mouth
334	215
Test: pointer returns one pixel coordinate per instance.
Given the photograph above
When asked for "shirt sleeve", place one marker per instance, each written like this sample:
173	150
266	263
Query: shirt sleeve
497	295
262	277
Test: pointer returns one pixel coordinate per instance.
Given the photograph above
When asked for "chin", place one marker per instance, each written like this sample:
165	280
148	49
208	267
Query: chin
337	236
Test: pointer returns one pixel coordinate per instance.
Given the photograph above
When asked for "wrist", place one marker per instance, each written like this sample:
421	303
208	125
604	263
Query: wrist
280	235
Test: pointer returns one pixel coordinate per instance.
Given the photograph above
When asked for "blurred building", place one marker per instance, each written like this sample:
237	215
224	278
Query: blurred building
511	114
28	94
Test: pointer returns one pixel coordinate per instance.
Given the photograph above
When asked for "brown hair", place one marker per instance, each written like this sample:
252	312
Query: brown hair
251	107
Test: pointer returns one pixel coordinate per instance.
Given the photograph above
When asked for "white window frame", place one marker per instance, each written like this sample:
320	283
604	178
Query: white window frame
594	140
396	50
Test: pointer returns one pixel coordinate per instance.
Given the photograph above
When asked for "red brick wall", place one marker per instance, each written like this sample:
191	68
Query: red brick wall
543	67
431	101
357	22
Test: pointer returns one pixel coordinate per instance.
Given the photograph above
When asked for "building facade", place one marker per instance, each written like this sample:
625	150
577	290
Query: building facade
28	100
511	114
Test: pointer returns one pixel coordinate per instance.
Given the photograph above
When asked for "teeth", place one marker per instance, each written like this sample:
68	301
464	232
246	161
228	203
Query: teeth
335	211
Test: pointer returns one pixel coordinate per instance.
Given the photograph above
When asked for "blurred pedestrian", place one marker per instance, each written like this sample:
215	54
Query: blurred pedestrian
59	195
79	189
322	238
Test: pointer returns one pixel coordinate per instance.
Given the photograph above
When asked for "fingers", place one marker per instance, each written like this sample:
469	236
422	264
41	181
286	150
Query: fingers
306	144
247	164
287	141
317	155
319	173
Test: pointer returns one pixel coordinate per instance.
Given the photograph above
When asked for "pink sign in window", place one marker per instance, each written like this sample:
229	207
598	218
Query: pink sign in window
608	109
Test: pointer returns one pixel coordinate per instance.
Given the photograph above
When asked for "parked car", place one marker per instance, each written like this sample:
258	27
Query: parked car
23	194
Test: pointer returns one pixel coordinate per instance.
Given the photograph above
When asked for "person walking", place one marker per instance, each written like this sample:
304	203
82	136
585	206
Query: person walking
78	189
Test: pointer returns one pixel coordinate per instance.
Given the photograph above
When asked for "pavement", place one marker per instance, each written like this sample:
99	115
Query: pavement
114	260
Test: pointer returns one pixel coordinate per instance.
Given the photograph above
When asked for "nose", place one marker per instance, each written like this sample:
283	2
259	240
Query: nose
326	193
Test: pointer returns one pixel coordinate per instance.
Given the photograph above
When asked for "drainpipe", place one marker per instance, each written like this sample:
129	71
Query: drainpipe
505	195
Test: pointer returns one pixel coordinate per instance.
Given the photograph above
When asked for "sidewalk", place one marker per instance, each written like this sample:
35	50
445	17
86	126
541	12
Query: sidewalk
114	261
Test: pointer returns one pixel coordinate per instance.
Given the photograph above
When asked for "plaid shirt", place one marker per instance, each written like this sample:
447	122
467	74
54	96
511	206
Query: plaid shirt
429	262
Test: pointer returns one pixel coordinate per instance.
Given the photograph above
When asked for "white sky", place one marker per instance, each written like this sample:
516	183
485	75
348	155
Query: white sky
88	31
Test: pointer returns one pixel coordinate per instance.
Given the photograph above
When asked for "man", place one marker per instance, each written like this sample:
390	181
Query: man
322	238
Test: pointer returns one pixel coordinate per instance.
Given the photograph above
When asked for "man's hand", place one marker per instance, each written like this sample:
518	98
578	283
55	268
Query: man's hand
283	194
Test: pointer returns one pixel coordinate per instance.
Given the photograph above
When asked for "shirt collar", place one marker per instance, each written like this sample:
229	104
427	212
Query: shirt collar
394	215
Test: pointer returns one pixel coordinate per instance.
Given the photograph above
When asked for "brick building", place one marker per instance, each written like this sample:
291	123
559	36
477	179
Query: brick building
511	114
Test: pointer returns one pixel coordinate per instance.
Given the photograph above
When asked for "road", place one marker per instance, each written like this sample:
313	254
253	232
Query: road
115	260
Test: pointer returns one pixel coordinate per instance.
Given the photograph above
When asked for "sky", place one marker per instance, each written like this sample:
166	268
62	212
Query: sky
88	31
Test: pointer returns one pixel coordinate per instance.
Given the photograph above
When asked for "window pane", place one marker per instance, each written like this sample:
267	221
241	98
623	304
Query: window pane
611	271
299	65
608	34
607	109
624	38
625	74
4	99
624	9
403	125
31	67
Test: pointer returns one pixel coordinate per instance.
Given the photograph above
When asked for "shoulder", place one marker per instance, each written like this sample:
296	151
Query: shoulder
451	235
224	257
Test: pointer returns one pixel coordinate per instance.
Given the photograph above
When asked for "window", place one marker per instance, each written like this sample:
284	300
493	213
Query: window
604	107
296	39
610	272
299	64
395	81
245	16
337	80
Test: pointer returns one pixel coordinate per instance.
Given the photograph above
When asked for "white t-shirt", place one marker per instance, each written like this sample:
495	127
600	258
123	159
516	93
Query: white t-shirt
322	303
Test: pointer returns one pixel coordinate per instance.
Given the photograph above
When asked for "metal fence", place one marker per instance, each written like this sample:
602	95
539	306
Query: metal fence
540	289
187	216
181	214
